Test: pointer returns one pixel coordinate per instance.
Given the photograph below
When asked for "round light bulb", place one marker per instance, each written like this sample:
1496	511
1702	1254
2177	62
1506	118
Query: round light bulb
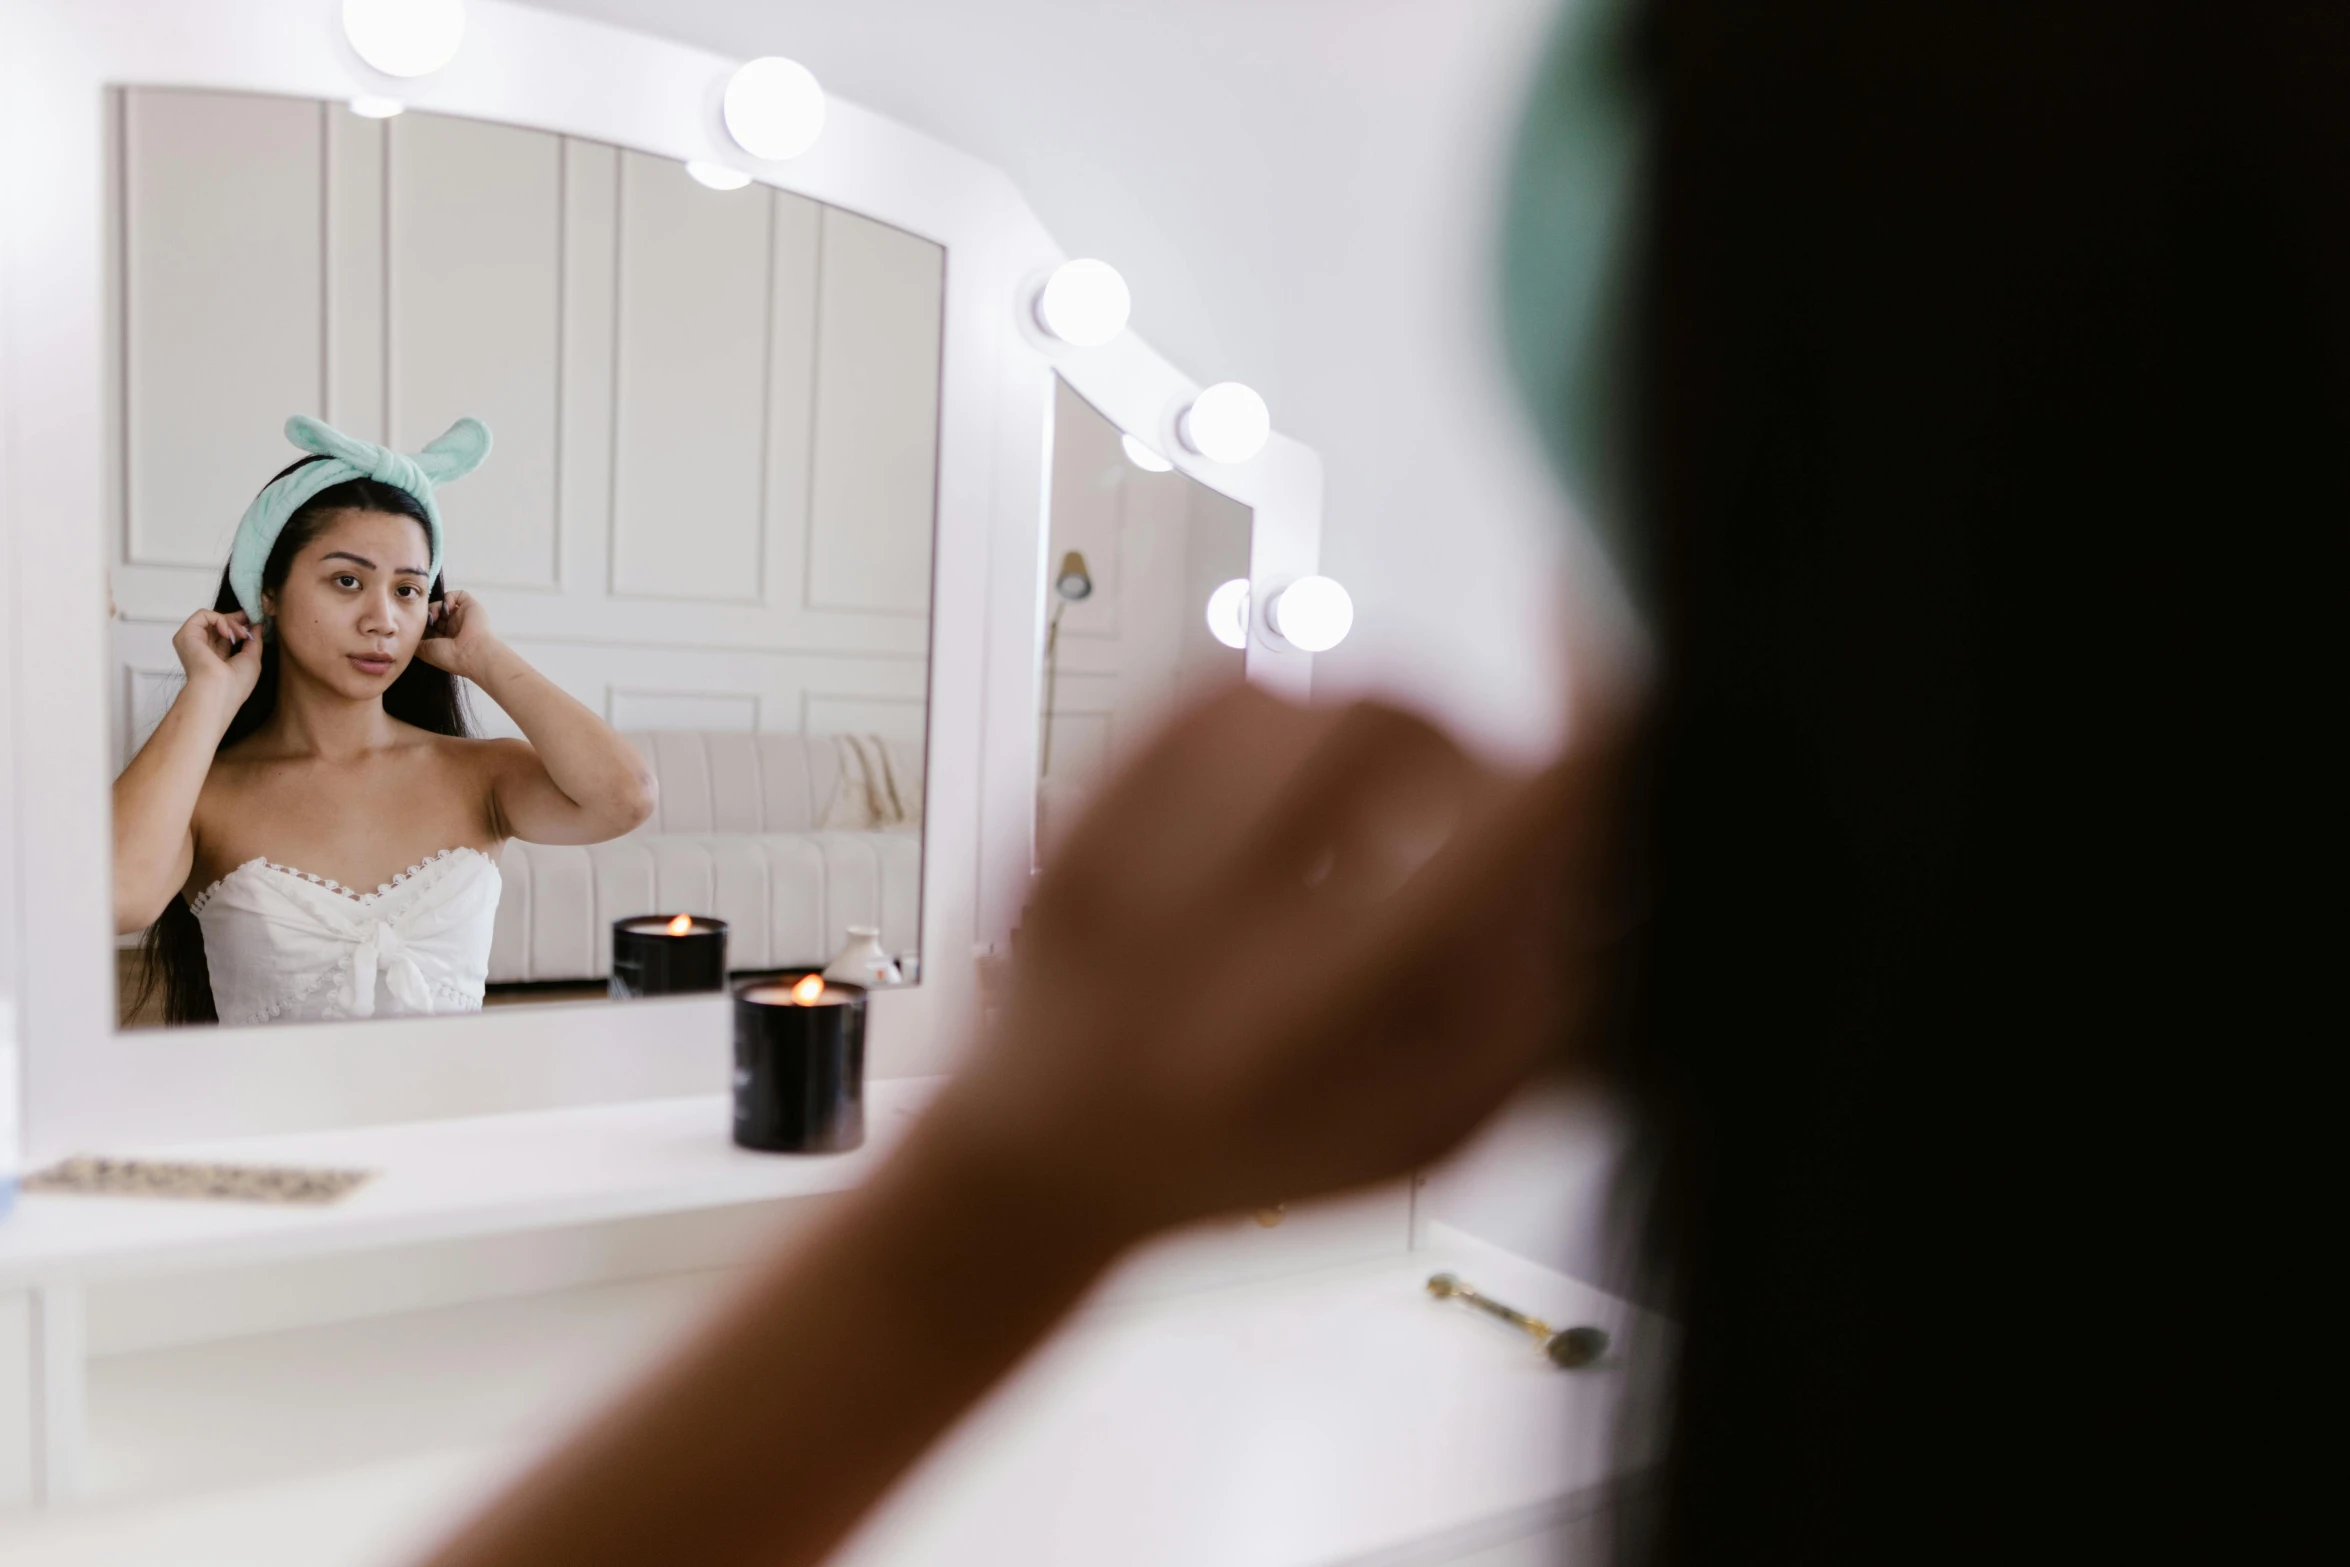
1312	613
717	175
1228	422
1084	302
405	37
1228	613
370	107
773	108
1143	457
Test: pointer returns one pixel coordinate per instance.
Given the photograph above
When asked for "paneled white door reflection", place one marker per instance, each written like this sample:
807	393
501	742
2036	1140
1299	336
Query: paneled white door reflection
711	497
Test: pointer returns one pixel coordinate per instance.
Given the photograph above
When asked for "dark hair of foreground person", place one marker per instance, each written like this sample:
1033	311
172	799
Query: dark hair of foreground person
1991	368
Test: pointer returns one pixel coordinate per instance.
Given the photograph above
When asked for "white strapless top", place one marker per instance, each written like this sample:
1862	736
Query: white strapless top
286	946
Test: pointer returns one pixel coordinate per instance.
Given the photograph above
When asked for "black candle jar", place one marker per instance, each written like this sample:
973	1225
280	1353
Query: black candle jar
799	1065
667	955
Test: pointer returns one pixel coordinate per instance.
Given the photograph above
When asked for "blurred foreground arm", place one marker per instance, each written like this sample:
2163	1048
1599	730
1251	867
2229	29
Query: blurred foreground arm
1286	952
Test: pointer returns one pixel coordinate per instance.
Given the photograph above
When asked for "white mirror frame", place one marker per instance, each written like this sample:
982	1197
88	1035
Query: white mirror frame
85	1085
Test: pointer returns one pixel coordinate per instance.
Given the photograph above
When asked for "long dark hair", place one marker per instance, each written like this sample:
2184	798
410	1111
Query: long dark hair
1992	387
424	695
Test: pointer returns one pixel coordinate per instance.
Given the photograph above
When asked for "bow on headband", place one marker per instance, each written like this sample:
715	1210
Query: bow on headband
452	455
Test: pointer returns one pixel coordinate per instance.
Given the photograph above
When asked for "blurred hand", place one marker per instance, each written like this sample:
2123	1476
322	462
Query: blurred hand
221	653
457	636
1283	952
1289	951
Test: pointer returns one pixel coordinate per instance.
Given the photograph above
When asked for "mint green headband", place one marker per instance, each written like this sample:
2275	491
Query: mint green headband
454	454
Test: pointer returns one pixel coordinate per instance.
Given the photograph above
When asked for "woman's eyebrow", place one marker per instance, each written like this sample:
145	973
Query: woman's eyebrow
412	571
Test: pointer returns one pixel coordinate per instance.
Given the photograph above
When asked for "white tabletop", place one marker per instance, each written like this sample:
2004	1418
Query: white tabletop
1336	1417
438	1180
1333	1417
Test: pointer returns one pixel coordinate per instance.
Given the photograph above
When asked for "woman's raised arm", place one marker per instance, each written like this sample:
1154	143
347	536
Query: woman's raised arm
577	781
155	798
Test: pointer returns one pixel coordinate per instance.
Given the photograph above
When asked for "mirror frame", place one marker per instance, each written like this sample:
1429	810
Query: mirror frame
87	1085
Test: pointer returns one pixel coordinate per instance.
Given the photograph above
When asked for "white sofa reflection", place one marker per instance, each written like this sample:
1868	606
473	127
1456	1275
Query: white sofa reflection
789	838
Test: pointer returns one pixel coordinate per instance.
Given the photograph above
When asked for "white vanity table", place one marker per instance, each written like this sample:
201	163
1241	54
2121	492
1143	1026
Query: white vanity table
1240	1394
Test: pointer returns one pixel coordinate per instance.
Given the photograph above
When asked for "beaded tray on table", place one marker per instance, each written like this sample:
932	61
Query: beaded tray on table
90	1176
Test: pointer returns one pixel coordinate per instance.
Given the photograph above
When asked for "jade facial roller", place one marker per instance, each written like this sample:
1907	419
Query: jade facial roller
1572	1348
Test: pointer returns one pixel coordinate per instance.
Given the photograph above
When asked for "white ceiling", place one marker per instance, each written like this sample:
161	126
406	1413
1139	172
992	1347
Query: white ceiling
1299	192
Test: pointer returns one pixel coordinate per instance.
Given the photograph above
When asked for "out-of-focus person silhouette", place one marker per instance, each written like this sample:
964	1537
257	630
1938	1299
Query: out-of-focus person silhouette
1953	381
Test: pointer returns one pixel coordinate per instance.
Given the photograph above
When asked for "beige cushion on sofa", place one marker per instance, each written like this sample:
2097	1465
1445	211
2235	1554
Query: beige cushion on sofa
737	834
725	783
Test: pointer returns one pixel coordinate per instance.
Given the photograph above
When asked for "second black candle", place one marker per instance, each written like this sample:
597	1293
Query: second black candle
667	955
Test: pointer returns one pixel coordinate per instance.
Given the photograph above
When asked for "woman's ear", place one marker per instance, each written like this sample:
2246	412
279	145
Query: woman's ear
268	605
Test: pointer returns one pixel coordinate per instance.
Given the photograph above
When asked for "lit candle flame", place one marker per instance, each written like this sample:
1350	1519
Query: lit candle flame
682	925
809	991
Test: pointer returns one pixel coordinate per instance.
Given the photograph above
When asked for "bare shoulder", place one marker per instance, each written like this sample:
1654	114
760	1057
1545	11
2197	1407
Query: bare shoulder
244	784
236	771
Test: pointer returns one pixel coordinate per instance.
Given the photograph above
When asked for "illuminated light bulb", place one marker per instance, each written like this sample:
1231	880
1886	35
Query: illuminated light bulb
1143	457
1228	613
370	107
717	175
774	109
1313	614
1228	422
405	37
1084	302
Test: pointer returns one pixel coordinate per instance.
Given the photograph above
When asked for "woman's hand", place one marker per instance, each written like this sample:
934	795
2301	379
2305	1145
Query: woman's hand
221	654
458	638
1290	951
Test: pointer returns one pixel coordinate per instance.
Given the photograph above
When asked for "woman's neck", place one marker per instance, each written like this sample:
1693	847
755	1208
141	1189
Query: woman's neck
312	720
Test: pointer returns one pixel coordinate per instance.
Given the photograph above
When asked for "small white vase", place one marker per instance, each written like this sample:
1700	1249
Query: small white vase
862	962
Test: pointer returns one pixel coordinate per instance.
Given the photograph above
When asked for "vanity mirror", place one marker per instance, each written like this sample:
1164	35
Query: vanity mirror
664	526
705	519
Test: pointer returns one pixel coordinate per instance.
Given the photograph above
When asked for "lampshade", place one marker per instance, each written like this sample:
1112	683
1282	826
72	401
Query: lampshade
1226	423
1312	613
1228	613
773	108
405	37
1084	302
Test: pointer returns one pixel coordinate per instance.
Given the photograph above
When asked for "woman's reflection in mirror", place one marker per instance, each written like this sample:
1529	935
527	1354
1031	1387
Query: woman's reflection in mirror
312	831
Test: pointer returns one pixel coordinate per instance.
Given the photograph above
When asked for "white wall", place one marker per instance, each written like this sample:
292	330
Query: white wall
710	500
